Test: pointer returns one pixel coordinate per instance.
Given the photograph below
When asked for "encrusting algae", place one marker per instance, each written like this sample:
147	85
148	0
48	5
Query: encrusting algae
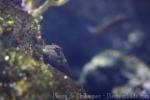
23	73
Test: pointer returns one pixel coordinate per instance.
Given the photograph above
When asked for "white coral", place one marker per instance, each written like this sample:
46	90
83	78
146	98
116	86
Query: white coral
36	12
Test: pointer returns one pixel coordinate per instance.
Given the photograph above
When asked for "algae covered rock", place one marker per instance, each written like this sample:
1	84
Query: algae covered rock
23	72
25	78
120	75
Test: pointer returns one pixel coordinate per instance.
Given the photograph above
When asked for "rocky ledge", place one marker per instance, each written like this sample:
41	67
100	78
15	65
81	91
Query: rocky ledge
23	72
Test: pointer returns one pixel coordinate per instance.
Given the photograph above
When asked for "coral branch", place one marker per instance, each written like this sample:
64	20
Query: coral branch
48	3
40	10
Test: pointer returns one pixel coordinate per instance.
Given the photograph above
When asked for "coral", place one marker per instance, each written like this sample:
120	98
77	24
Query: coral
30	6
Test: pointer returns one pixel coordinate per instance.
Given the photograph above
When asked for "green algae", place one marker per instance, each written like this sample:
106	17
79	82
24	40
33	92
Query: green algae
23	73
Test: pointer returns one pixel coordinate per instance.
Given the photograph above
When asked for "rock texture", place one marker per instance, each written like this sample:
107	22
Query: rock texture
121	75
23	73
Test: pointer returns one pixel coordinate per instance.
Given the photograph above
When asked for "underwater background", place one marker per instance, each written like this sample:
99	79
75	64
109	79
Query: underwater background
86	29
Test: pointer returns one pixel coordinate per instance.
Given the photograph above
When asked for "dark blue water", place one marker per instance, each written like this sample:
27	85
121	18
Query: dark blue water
67	27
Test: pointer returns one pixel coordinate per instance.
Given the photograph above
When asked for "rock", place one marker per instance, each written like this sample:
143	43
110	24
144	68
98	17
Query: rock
23	72
120	74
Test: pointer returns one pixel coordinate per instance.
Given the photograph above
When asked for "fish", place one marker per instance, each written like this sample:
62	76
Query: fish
106	26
